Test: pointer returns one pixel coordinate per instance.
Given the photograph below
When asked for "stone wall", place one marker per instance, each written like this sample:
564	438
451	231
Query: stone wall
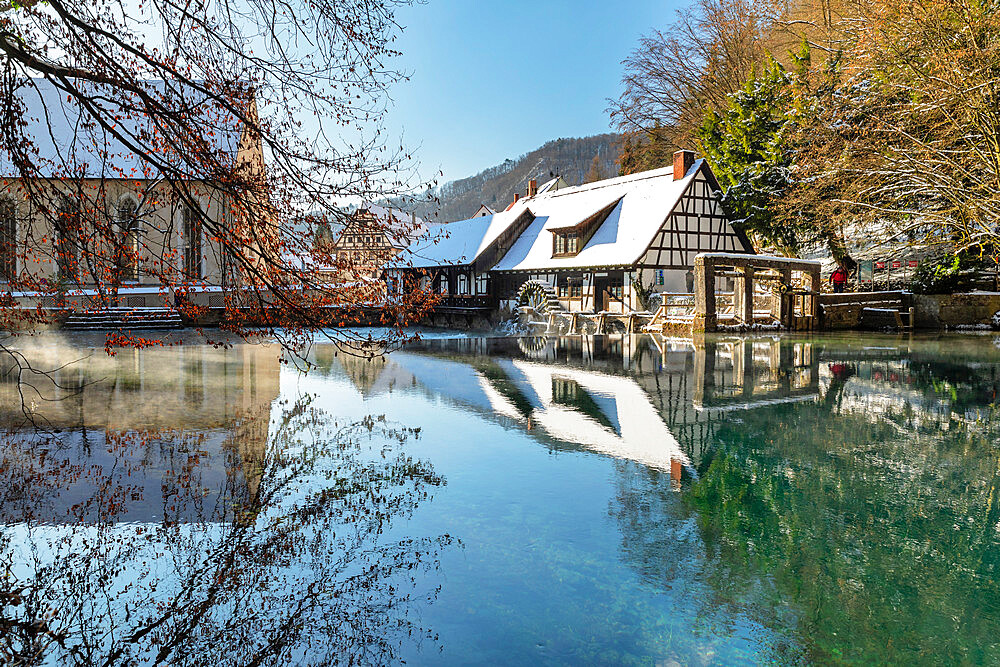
845	311
936	311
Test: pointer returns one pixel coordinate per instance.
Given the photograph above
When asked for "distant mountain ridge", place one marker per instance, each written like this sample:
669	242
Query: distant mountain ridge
571	158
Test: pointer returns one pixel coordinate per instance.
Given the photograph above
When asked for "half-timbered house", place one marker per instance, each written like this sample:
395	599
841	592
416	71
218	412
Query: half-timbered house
454	260
371	236
595	247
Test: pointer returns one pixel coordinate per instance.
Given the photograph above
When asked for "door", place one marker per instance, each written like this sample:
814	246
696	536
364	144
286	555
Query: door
601	285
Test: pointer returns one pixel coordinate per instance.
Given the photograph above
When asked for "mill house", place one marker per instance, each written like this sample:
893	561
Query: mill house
591	247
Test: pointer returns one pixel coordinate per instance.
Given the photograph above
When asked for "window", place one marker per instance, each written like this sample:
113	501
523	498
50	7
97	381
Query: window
575	290
481	285
192	243
463	283
567	243
67	239
572	243
127	259
8	239
443	285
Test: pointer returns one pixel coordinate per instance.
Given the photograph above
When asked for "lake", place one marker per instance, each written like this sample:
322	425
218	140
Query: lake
725	500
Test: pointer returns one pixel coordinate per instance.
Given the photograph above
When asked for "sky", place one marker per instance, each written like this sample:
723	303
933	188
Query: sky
491	80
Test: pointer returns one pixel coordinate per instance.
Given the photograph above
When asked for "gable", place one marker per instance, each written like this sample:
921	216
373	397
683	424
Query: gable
697	224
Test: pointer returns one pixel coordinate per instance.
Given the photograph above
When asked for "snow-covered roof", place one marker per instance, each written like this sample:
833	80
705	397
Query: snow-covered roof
456	242
68	140
554	184
644	201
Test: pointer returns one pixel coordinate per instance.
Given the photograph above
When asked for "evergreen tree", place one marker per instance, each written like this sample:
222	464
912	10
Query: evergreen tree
628	158
659	149
747	146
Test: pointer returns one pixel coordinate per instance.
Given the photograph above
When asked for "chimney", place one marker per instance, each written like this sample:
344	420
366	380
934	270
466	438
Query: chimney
683	161
532	188
517	195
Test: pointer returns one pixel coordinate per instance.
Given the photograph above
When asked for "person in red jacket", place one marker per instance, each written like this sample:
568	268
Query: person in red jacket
839	278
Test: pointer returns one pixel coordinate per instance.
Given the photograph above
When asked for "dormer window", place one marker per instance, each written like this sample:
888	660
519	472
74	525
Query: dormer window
566	243
569	241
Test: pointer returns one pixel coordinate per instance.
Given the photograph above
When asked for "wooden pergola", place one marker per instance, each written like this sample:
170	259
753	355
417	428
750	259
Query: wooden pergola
795	303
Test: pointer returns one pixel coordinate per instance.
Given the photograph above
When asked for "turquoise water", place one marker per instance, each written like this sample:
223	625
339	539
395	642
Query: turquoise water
578	500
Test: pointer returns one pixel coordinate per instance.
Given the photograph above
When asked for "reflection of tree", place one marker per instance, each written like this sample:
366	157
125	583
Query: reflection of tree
884	540
298	566
660	540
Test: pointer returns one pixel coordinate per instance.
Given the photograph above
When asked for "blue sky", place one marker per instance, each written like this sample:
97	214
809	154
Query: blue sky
492	80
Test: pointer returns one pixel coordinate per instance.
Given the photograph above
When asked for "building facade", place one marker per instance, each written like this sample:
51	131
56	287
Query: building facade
371	236
96	220
598	247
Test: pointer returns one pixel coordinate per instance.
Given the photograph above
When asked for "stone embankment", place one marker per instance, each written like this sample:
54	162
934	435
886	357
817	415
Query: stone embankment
929	311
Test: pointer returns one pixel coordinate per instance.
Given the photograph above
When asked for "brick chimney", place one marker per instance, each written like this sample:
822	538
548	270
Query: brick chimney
532	188
517	195
683	161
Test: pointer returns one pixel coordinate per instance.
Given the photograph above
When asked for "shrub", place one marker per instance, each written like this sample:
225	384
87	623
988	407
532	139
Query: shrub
949	273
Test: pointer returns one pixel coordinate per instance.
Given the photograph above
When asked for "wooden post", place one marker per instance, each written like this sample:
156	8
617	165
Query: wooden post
786	307
705	318
739	289
743	295
813	298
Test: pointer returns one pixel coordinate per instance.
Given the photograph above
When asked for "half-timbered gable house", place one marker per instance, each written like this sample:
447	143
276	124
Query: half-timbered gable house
593	245
372	235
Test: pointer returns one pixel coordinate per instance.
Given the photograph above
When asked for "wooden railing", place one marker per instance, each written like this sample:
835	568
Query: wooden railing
467	301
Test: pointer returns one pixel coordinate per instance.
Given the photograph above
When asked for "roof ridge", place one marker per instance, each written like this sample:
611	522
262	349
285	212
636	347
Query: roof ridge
608	182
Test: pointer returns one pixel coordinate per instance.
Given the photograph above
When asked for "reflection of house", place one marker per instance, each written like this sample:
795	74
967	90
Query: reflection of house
607	414
187	424
588	243
689	385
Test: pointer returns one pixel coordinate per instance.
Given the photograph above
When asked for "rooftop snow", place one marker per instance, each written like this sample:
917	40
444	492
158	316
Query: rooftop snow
646	198
456	242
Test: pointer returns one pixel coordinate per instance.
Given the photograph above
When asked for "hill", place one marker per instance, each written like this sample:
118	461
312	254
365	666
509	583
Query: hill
570	158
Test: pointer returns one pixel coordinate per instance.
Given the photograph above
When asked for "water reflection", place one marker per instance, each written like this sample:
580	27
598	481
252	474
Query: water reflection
716	500
175	510
826	484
